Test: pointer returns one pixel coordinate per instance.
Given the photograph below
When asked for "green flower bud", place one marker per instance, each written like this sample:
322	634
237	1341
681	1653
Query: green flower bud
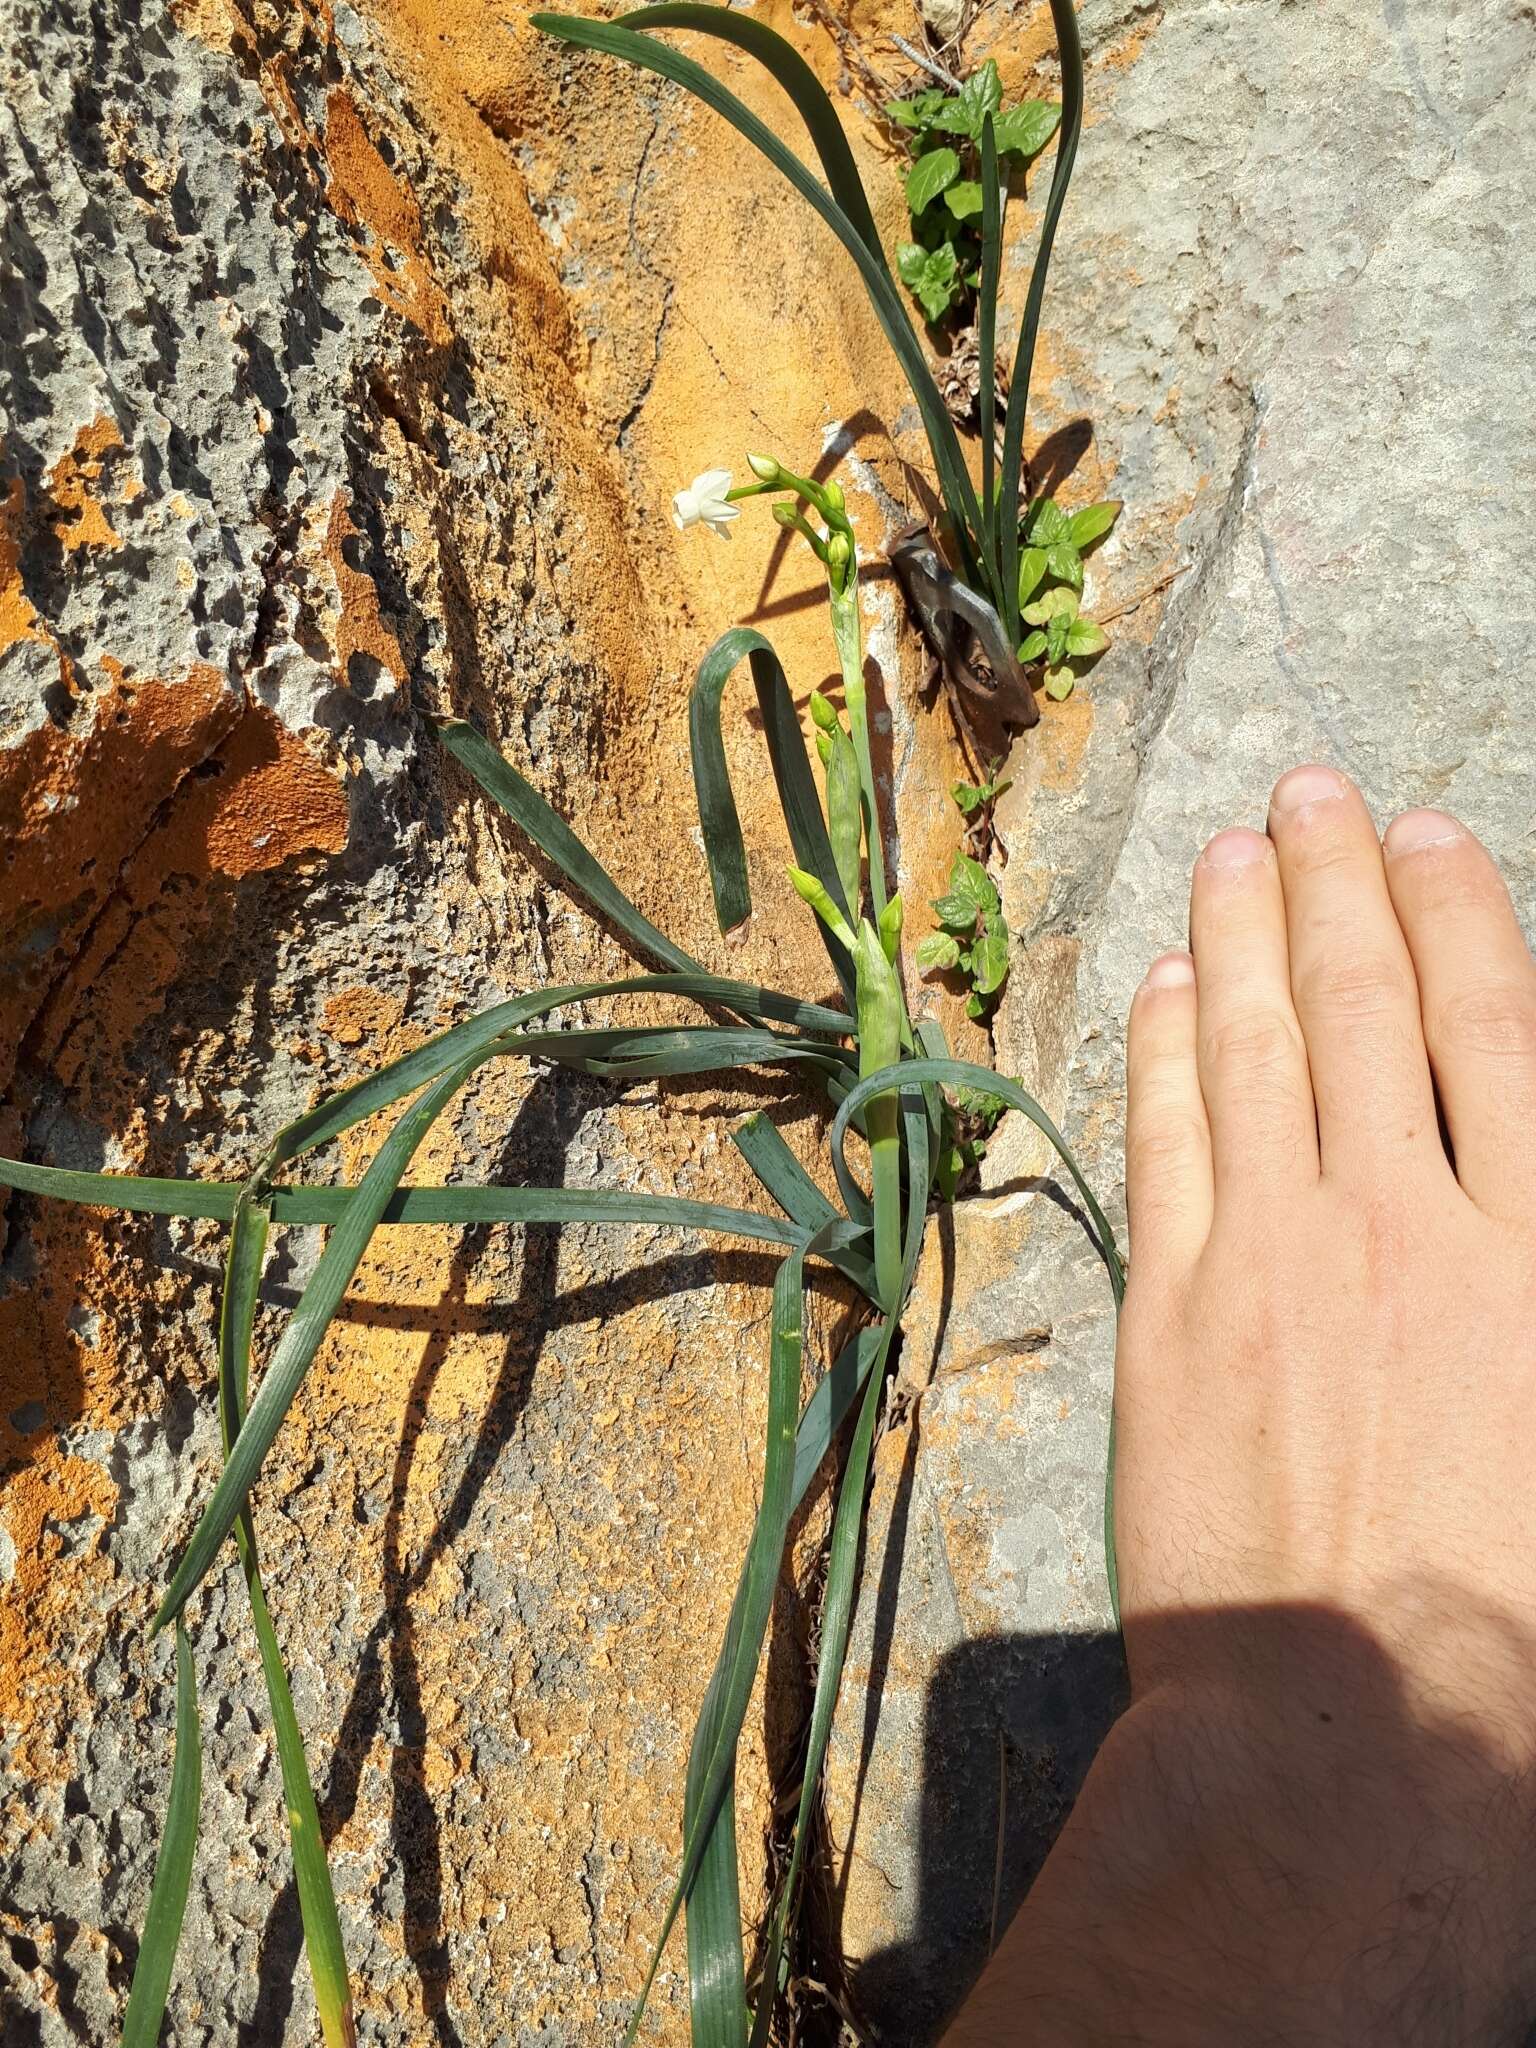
811	891
823	713
890	928
764	468
823	748
832	497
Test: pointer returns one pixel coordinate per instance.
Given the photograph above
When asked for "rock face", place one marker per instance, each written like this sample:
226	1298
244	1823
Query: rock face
347	366
348	359
1296	301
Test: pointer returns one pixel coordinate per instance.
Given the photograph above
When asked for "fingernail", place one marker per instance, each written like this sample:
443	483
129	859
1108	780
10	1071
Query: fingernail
1311	784
1172	970
1416	829
1238	848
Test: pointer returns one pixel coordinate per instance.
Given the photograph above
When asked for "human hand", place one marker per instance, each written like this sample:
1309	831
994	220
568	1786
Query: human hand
1317	1821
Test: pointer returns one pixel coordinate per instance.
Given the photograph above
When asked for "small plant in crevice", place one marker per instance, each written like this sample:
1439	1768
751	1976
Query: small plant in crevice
976	802
1062	637
960	569
942	264
972	938
881	1074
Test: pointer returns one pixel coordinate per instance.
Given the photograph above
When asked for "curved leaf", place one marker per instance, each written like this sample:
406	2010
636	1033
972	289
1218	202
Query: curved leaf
789	68
615	41
173	1866
311	1872
1071	51
718	817
549	831
963	1074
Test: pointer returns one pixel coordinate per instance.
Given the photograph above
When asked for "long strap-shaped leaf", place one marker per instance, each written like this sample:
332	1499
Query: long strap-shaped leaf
644	50
311	1872
173	1866
790	70
992	203
305	1332
376	1091
1008	507
413	1070
798	1196
549	831
725	1704
719	821
963	1074
220	1200
842	1559
644	1054
714	1904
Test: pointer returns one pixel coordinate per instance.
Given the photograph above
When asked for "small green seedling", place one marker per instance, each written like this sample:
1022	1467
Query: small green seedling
941	265
969	1122
1055	543
1063	639
973	935
975	799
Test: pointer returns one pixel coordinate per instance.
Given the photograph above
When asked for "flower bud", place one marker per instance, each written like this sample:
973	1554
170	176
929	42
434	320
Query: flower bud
823	713
832	497
764	468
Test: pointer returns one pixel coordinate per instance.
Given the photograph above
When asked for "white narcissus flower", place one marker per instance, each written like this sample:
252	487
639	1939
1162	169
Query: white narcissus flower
704	503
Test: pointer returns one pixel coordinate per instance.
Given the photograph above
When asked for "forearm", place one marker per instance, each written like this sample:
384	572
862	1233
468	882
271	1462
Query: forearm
1342	1884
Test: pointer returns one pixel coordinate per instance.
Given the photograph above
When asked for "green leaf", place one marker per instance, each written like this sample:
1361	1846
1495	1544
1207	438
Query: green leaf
916	113
970	796
989	962
615	39
305	1333
929	176
173	1865
931	275
1064	562
435	1205
1052	604
1092	523
962	1073
982	94
1064	17
938	949
523	804
1045	523
792	776
311	1872
842	1559
964	199
1024	130
713	1931
1031	573
993	203
1057	628
1085	636
795	77
1059	683
1032	647
711	1763
971	885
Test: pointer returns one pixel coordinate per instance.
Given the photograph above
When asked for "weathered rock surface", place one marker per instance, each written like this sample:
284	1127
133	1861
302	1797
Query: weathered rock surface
348	358
348	362
1296	298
